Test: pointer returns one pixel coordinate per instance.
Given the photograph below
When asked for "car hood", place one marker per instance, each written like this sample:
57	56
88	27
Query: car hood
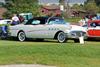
77	28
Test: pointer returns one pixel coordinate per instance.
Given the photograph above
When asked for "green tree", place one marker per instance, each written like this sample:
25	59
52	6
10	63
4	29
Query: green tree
96	1
20	6
91	7
62	2
77	7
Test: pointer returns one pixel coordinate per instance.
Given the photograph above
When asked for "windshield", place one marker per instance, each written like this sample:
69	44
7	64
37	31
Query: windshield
56	21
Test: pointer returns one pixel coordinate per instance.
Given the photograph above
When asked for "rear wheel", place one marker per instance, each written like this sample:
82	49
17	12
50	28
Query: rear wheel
21	36
61	37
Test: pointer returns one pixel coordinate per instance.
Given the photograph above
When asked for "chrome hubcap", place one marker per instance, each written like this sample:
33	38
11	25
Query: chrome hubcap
61	37
21	36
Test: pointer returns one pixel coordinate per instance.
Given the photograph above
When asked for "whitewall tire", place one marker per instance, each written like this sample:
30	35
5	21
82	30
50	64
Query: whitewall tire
61	37
21	36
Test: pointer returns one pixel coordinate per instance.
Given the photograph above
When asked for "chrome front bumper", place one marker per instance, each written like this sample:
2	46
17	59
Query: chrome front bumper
76	34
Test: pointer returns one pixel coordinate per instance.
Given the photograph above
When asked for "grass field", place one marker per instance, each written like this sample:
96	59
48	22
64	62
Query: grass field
50	53
73	20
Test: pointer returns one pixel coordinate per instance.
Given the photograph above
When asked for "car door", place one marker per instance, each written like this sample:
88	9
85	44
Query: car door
45	30
33	29
40	31
37	28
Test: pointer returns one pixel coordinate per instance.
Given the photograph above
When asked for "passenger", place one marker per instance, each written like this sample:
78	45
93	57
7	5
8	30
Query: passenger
21	19
15	20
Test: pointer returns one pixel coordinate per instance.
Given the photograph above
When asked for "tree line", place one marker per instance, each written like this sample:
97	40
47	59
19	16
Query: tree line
20	6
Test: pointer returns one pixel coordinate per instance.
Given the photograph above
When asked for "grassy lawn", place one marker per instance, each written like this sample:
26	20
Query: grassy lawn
50	53
73	20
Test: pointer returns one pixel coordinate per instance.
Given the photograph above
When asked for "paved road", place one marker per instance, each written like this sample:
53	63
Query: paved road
25	65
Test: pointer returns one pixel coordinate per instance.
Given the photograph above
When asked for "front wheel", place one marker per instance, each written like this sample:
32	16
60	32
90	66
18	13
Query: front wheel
21	36
61	37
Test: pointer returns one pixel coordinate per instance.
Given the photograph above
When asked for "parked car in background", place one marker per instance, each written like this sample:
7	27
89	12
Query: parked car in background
90	31
5	21
42	28
93	30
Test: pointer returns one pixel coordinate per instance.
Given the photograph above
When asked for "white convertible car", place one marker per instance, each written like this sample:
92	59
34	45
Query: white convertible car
41	28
